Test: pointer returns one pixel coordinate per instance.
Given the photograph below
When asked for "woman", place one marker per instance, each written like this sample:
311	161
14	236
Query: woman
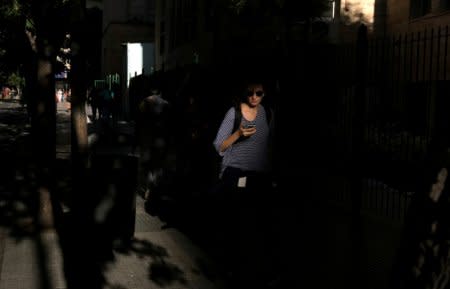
245	176
245	150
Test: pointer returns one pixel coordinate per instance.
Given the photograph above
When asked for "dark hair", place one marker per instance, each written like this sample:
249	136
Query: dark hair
243	96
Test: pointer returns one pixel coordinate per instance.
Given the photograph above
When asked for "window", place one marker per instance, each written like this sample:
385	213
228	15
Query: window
419	8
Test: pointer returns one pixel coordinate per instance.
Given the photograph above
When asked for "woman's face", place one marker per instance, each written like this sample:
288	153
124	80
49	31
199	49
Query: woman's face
255	93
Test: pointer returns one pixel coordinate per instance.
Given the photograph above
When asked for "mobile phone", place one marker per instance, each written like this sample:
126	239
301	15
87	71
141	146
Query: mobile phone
249	125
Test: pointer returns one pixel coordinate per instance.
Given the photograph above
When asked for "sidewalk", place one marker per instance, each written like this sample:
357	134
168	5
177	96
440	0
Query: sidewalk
158	257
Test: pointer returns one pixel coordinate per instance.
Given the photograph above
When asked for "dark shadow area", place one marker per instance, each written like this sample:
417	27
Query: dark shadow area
165	274
16	175
19	197
188	200
101	217
160	271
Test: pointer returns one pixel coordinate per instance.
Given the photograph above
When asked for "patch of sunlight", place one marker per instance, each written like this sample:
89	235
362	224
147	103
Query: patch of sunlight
358	11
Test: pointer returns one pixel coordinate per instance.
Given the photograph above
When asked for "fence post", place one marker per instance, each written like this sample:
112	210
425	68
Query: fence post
358	123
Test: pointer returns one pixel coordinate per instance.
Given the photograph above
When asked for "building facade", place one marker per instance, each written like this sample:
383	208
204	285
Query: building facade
395	16
127	43
413	15
183	33
124	21
199	31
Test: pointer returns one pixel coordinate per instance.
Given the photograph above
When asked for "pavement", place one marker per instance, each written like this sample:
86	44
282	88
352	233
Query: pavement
158	256
153	249
316	241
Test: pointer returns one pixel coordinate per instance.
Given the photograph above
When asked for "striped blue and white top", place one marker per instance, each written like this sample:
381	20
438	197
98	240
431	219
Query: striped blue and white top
250	154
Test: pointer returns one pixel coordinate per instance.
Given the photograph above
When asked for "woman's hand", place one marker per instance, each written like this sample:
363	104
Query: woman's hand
246	132
242	131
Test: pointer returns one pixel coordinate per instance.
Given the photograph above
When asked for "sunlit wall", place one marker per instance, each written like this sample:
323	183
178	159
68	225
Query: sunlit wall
140	58
354	11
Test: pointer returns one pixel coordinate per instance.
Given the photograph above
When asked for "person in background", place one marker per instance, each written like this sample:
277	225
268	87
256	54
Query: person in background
116	103
153	138
106	98
95	102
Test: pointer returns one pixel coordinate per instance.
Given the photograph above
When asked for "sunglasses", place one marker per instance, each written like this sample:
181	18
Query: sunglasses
258	93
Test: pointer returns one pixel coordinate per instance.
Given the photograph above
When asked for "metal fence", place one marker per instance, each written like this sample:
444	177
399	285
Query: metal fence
109	81
393	102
